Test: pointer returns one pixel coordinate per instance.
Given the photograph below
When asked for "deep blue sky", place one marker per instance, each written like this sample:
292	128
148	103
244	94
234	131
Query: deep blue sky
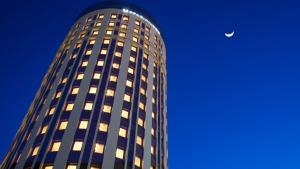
232	103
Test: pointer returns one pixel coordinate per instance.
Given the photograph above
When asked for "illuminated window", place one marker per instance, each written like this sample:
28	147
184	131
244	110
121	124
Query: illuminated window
113	78
123	26
99	148
84	63
44	129
139	140
48	167
82	35
147	29
142	90
130	70
78	45
55	146
69	107
103	52
111	24
95	168
120	153
132	59
146	46
103	127
64	80
129	83
35	150
58	95
88	52
96	76
101	16
121	34
77	145
152	131
93	90
144	66
153	87
95	32
106	108
100	63
125	18
147	38
110	92
152	150
145	56
127	97
153	100
133	48
116	66
124	114
71	167
137	161
80	76
83	124
144	78
106	41
98	24
52	110
122	132
153	115
120	43
118	54
63	125
137	23
75	90
113	16
140	122
108	32
135	39
88	106
135	30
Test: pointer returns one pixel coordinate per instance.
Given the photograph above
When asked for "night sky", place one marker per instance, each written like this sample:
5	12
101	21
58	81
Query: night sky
232	103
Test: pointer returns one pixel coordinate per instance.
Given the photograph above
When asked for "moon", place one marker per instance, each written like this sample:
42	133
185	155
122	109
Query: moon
229	35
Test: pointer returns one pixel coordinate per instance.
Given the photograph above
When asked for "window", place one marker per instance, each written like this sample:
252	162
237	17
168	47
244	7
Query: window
127	97
93	90
122	132
130	70
69	107
64	80
113	16
35	150
77	145
120	153
98	24
78	45
88	106
142	90
153	100
95	32
144	66
71	167
80	76
108	32
137	23
135	30
153	115
96	76
152	150
120	43
75	90
106	41
63	125
116	65
123	26
103	52
118	54
133	48
129	83
140	122
110	92
132	59
48	167
103	127
125	18
84	63
111	24
99	148
124	114
44	129
152	132
101	16
51	111
145	56
142	106
106	108
100	63
121	34
113	78
144	78
55	146
135	39
83	124
147	38
137	161
139	140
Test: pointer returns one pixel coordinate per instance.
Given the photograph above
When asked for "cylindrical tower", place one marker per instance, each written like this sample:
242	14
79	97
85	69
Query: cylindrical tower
102	103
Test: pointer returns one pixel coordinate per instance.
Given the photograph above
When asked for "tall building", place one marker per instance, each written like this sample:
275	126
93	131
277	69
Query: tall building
102	103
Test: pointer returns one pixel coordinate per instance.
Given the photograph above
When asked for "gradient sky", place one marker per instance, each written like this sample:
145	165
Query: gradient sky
232	103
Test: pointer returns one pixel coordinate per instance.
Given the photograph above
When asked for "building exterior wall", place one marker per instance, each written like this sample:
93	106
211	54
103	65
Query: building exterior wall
110	72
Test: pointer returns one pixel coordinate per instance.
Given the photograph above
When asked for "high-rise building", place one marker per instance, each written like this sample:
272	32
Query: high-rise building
102	103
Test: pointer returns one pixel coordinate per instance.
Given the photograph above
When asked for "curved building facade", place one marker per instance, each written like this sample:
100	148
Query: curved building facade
102	103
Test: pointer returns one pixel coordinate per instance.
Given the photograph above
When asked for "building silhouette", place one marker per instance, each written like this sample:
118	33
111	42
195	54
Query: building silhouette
102	103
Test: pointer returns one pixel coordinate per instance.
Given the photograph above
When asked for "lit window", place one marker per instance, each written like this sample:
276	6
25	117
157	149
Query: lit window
78	45
139	140
77	146
145	56
152	131
75	90
69	107
48	167
95	168
63	125
71	167
153	100
74	55
140	122
101	16
129	83
106	41
144	66
133	48
147	38
136	30
35	151
127	97
135	39
108	32
137	23
132	59
111	24
93	90
147	29
122	132
116	66
58	95
44	129
123	26
113	16
137	161
103	52
152	150
120	43
64	80
118	54
110	92
153	115
144	78
55	146
153	87
51	111
121	34
95	32
120	153
92	42
99	148
106	108
98	24
84	63
96	76
142	91
83	124
88	106
125	18
80	76
103	127
124	114
146	46
100	63
82	36
130	70
113	78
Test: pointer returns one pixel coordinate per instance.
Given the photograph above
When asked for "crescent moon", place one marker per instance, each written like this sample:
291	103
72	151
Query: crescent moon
229	35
